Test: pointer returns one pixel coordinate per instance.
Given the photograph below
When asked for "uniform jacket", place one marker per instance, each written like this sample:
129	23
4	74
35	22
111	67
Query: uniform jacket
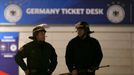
83	54
40	56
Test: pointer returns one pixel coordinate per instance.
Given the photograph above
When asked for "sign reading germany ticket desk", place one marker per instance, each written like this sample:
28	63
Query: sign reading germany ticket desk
67	12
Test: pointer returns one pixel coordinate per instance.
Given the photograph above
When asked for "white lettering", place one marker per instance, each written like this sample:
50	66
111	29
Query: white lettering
66	11
72	11
95	11
42	11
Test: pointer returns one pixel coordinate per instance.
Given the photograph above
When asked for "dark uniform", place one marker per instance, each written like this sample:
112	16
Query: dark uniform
41	56
83	54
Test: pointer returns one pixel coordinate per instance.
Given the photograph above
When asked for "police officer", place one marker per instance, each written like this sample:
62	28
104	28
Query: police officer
83	53
41	56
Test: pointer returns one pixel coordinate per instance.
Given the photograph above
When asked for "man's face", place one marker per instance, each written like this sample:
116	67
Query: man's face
41	36
80	32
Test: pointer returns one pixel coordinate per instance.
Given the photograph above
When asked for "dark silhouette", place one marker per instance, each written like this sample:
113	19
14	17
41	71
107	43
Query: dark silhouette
41	56
83	53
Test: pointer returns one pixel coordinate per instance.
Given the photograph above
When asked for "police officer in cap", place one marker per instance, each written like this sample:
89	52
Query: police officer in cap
41	56
83	53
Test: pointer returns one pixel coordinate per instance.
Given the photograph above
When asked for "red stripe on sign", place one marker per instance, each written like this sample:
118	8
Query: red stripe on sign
3	73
